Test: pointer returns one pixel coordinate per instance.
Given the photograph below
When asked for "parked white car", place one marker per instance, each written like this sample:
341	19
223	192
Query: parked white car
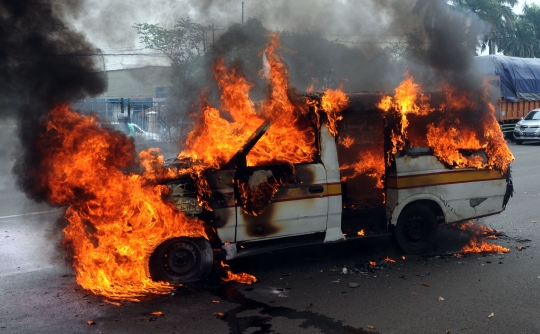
528	128
140	133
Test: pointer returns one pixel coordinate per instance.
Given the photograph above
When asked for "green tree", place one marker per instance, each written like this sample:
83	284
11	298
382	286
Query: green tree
498	13
531	14
183	44
522	42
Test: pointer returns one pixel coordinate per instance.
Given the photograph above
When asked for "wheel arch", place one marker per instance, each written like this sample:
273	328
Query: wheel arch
433	202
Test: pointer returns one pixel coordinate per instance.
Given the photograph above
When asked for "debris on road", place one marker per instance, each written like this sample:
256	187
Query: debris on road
353	285
90	322
112	303
157	313
491	315
441	299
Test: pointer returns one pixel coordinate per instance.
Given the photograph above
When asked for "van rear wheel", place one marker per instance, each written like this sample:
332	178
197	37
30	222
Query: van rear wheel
181	260
416	229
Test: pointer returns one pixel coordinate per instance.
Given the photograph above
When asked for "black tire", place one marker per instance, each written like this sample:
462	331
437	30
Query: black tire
519	141
416	229
181	260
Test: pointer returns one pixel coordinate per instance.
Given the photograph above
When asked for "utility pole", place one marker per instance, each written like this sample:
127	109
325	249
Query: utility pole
242	12
106	96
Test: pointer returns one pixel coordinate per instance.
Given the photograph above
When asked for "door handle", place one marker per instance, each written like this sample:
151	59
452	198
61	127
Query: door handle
316	189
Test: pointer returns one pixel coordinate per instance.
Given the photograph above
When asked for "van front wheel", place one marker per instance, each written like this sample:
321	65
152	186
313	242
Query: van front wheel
416	229
181	260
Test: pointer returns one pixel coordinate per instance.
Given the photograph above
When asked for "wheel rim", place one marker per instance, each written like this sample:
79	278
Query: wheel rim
180	258
415	229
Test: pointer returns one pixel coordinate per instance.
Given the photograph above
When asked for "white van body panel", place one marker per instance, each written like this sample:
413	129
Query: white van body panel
460	193
329	158
297	208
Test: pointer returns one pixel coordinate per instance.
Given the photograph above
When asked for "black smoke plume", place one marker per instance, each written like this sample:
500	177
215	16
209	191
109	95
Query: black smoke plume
42	64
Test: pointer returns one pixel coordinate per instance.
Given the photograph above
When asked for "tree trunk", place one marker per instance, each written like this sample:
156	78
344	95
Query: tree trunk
491	46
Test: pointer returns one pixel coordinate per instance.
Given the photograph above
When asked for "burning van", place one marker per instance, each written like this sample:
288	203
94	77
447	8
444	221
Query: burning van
377	165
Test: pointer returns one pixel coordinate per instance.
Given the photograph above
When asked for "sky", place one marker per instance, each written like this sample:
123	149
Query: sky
520	4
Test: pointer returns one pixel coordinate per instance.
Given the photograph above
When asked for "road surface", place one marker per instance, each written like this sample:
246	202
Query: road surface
298	291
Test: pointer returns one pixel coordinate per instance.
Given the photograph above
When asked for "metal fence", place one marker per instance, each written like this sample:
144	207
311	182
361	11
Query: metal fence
146	114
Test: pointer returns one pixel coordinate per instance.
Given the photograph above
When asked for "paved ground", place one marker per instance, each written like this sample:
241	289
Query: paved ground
300	291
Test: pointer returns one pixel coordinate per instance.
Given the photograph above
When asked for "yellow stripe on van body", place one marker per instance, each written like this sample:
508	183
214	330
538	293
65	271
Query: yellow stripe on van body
294	193
333	189
434	179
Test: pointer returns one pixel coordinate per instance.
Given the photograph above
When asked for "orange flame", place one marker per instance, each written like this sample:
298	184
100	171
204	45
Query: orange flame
243	278
290	138
454	141
480	246
389	260
477	244
214	139
361	233
346	141
371	163
373	263
116	219
333	102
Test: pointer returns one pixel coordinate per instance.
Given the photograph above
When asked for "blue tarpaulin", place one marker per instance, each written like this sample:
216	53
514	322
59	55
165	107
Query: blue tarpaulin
520	77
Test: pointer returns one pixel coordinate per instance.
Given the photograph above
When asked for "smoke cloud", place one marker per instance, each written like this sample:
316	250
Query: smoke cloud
45	61
42	63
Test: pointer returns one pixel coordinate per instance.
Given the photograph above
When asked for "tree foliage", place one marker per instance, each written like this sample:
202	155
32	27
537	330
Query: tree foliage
185	42
498	13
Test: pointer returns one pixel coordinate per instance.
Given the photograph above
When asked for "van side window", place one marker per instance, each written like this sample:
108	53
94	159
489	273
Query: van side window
278	147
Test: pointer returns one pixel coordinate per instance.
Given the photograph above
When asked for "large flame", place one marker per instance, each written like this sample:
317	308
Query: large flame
290	138
463	133
116	219
214	140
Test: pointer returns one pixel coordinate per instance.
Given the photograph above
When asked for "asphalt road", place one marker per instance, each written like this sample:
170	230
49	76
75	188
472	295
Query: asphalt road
299	291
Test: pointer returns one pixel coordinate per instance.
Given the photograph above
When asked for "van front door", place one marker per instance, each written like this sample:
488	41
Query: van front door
274	201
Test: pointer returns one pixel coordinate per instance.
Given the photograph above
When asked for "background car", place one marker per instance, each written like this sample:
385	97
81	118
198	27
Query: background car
139	132
528	128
